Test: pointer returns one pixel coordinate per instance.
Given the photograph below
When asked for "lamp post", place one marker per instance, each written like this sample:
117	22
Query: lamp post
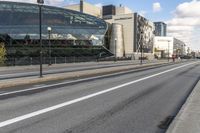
141	47
49	31
115	49
168	50
40	2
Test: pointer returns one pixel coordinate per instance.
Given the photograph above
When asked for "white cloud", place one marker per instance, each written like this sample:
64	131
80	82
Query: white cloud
157	7
185	25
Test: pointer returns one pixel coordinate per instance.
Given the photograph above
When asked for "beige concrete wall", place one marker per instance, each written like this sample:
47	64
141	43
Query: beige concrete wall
92	10
127	20
123	10
87	9
75	7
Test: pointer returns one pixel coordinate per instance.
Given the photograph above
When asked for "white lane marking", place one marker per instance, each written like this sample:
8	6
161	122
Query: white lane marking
39	112
62	83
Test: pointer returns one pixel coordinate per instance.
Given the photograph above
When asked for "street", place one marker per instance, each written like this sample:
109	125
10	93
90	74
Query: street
138	102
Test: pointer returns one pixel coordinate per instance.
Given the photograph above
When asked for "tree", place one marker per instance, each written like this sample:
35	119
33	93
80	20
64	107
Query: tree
2	53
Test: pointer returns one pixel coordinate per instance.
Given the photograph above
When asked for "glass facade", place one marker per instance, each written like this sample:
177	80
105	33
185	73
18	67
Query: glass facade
160	29
21	20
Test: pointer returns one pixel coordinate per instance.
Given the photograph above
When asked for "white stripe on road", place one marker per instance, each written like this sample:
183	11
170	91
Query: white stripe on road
39	112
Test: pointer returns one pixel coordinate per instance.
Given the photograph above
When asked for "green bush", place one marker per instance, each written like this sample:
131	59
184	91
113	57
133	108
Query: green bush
2	54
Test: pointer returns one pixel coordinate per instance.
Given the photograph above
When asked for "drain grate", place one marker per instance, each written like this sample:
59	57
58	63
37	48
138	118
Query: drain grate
165	124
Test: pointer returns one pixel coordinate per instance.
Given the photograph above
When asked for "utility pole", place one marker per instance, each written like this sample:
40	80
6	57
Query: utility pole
40	3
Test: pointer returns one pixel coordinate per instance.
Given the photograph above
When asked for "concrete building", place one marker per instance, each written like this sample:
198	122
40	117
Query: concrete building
123	10
86	8
108	11
137	31
168	46
160	29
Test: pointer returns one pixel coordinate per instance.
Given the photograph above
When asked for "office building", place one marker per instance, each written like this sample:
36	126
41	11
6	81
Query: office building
137	31
168	46
160	29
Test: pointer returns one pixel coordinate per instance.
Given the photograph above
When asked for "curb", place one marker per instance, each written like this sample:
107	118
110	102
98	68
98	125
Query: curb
188	118
77	74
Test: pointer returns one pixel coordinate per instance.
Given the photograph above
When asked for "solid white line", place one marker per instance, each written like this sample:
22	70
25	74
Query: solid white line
39	112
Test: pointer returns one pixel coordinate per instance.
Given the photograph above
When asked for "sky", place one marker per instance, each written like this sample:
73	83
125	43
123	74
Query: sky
182	16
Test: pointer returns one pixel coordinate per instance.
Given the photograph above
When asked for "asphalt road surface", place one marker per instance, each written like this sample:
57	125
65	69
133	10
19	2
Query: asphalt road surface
137	102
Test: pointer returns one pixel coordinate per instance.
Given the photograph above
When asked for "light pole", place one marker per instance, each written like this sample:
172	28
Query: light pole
40	2
141	47
168	50
115	49
49	31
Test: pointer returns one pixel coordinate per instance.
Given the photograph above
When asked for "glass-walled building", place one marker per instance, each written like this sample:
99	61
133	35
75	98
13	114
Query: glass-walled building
21	20
160	29
73	34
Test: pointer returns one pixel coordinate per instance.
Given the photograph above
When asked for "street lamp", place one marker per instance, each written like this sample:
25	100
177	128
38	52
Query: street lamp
115	49
168	50
40	2
141	47
49	31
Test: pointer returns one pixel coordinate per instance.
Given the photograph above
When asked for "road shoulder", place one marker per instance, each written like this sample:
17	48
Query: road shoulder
188	118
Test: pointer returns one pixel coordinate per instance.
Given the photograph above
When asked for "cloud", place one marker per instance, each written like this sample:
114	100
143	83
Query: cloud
157	7
185	24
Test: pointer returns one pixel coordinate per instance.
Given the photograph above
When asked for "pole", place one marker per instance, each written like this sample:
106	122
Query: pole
115	50
49	47
168	51
40	19
141	47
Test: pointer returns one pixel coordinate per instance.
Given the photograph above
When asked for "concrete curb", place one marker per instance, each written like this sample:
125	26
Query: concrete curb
188	118
73	75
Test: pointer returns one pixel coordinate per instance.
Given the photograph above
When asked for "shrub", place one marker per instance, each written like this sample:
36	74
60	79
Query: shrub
2	54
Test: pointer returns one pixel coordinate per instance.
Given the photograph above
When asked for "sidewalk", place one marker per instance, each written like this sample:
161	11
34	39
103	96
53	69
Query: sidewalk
188	119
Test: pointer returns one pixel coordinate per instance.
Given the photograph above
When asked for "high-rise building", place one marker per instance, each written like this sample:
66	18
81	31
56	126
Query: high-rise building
160	29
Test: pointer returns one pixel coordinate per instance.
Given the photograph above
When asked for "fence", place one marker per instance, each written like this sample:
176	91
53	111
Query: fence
56	60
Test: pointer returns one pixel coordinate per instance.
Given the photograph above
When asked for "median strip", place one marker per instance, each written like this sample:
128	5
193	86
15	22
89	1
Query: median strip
73	75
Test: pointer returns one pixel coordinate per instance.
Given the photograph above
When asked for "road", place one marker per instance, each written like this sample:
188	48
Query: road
12	72
131	103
